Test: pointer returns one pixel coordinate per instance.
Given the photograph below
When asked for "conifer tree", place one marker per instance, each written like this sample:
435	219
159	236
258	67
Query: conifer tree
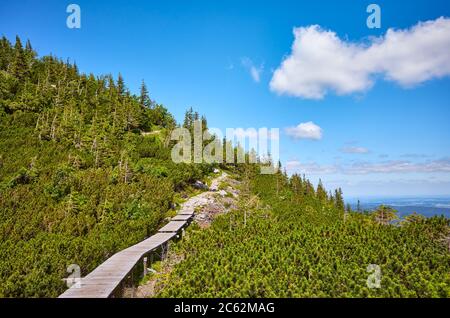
188	119
6	53
144	98
29	53
339	200
121	86
204	123
321	193
297	185
19	66
414	218
384	214
28	47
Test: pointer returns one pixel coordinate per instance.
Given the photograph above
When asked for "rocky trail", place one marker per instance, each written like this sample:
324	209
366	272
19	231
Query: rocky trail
221	197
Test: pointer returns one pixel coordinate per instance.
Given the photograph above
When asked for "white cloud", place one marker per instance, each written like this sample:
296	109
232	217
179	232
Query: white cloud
399	166
351	149
311	168
359	168
255	72
321	62
307	130
389	187
415	155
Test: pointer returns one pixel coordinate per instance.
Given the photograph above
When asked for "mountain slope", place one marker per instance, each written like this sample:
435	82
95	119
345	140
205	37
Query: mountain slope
288	240
78	179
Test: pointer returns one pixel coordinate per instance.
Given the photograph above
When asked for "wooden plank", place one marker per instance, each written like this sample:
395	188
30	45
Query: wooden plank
103	283
181	217
91	291
188	211
173	226
152	242
103	290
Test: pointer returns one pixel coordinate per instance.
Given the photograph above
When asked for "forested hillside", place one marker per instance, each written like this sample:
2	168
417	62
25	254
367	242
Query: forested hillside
85	169
291	240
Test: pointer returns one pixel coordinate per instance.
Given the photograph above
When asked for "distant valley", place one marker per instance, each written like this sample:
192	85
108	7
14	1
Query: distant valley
427	206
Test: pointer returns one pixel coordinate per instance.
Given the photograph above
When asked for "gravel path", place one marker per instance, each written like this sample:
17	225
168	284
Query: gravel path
206	206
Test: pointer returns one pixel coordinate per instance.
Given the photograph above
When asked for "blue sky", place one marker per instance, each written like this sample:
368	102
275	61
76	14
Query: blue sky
389	138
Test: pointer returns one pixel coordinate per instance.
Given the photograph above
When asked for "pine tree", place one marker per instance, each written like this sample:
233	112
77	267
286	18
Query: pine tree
321	193
331	198
204	123
111	84
19	66
121	86
188	119
414	218
75	68
297	185
29	53
144	98
28	47
384	214
6	53
339	200
308	187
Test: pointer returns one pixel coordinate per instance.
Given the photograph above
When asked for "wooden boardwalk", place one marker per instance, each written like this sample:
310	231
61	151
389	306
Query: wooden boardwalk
107	278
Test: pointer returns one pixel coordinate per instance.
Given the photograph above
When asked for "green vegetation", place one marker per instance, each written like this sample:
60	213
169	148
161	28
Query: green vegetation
85	171
298	241
79	180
